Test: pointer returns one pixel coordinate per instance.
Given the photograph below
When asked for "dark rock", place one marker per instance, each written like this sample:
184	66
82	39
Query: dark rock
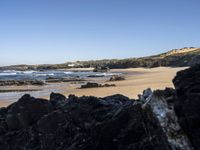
95	85
187	106
54	79
3	125
101	69
26	111
146	93
113	122
163	119
57	100
116	78
90	85
145	97
107	85
96	76
158	101
21	82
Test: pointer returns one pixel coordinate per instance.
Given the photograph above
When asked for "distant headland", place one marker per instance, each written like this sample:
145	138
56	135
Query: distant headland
186	56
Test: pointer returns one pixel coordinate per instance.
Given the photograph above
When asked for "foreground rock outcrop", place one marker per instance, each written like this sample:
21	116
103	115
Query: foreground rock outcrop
187	106
113	122
159	120
162	104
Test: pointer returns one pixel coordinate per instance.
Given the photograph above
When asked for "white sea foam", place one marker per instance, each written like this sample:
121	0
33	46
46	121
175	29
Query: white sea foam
68	72
44	74
8	73
107	74
29	72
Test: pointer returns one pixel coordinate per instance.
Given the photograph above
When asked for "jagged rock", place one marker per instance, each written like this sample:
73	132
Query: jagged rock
113	122
57	100
187	106
146	93
145	97
26	111
164	111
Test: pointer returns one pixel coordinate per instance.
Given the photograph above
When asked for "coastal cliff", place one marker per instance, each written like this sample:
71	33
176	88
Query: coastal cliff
163	119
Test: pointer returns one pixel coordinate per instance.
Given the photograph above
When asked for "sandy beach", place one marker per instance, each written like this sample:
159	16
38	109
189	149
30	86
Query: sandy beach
137	79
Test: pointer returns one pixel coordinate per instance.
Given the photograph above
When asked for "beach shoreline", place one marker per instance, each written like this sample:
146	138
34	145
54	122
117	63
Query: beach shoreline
137	79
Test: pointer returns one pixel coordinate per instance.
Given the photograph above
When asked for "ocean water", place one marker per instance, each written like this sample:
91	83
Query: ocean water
45	90
42	75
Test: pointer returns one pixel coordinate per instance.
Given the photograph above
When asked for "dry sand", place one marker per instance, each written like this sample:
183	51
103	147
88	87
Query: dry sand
137	79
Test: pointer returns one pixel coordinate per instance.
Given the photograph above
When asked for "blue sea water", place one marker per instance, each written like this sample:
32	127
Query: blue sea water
44	91
42	75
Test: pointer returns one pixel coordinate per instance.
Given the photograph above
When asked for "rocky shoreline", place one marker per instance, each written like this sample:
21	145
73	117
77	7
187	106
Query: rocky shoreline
164	119
21	82
18	90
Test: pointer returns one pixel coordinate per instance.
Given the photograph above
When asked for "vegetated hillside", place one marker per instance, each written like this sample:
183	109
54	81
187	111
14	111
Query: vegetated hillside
173	58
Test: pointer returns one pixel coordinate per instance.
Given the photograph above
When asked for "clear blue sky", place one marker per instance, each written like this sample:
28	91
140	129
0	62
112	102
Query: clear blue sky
56	31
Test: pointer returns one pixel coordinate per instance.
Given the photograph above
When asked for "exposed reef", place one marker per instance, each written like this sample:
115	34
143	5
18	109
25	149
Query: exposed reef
21	82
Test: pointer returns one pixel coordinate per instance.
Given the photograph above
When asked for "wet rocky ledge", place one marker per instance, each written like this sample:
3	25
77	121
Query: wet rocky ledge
158	120
36	82
21	82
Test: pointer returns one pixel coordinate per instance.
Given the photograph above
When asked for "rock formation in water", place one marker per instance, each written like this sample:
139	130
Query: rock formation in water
163	119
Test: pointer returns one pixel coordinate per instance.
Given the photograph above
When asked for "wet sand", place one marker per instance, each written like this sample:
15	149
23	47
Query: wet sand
137	79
